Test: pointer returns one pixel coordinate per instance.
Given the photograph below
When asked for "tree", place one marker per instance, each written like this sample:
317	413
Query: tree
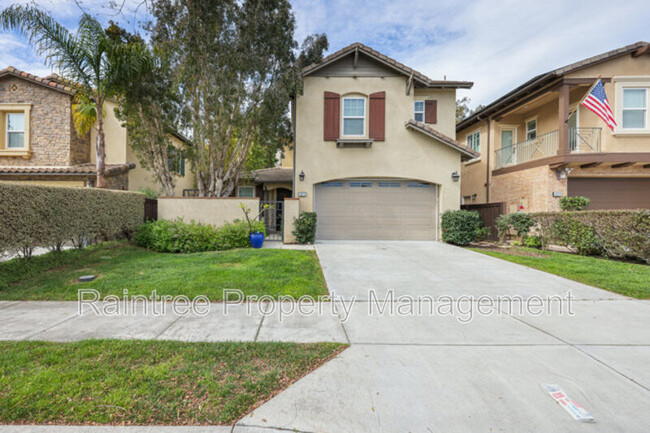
89	59
462	108
229	59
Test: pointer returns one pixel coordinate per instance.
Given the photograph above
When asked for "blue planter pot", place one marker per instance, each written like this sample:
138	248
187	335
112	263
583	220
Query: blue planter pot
257	239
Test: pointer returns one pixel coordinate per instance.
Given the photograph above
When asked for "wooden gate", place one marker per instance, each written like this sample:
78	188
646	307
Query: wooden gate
489	213
150	209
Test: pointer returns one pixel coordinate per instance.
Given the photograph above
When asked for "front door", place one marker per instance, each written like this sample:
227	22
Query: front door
508	156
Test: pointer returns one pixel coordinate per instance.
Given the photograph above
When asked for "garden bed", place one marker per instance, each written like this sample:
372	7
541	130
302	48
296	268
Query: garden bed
147	382
120	266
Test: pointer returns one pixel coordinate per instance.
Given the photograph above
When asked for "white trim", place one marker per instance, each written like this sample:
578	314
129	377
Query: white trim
530	119
239	188
18	131
630	82
423	101
364	117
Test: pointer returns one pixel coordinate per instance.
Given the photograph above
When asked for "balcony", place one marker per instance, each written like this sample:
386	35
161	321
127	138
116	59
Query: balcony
581	140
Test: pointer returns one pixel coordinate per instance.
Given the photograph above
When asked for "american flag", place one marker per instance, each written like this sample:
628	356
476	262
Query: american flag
597	102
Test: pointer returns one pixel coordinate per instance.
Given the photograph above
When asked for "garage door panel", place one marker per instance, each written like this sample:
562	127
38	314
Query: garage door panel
390	213
612	193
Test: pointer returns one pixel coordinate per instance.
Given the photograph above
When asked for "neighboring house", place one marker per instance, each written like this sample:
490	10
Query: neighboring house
39	144
531	156
375	154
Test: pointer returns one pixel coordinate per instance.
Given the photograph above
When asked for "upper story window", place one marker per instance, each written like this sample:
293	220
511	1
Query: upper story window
418	111
531	129
176	161
634	108
15	130
354	117
474	141
246	191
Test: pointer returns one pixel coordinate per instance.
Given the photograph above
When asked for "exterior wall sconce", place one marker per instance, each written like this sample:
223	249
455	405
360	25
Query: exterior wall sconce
302	176
455	176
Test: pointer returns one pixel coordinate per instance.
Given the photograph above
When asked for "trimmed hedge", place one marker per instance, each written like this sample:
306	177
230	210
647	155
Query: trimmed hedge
305	228
462	227
177	236
617	234
46	216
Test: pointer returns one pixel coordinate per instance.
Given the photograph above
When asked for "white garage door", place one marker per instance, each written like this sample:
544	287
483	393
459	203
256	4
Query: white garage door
376	209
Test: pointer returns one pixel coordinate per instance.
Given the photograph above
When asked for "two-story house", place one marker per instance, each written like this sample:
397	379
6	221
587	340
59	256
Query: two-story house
538	144
375	151
39	144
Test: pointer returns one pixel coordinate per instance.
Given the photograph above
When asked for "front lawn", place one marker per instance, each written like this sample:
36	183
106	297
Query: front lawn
120	266
629	279
146	382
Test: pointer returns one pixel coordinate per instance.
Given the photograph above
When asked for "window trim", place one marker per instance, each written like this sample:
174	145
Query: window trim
364	117
416	112
474	135
14	131
239	188
644	109
21	152
630	82
527	121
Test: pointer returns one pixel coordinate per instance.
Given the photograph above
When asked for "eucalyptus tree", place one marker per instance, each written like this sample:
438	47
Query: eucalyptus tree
94	65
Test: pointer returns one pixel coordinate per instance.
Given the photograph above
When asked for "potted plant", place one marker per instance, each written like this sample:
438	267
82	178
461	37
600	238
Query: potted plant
256	237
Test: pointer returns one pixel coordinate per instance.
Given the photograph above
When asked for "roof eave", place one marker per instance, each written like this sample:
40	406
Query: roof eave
466	154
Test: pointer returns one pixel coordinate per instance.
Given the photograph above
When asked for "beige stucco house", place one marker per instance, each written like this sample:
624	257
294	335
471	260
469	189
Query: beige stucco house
375	154
39	144
531	155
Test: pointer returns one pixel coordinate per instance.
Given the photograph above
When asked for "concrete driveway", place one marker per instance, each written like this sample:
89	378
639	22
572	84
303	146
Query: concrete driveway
430	372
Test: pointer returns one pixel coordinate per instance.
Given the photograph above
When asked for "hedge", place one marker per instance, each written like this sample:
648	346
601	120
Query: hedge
617	234
45	216
462	227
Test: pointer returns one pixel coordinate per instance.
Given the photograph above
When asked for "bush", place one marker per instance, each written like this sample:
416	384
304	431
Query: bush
533	242
305	228
46	216
520	222
617	234
461	227
181	237
574	203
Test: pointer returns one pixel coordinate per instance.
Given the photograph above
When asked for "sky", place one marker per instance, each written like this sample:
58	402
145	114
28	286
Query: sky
496	44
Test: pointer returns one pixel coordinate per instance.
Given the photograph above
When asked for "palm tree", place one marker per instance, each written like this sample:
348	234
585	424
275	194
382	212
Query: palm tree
94	64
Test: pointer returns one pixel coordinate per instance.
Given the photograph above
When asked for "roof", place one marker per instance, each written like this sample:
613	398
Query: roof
542	80
389	62
466	152
68	170
52	81
275	174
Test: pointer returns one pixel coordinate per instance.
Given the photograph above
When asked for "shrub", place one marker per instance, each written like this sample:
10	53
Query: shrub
461	227
533	242
520	222
574	203
305	228
181	237
150	192
46	216
618	234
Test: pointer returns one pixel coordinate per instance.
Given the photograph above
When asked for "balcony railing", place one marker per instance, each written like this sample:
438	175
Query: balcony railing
581	140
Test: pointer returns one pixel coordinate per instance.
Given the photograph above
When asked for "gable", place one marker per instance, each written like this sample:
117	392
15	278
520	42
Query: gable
365	67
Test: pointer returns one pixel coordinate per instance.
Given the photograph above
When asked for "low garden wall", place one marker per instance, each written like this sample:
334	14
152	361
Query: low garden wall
48	216
206	210
291	212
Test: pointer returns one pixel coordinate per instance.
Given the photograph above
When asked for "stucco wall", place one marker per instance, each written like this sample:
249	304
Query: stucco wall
114	136
404	153
291	211
214	211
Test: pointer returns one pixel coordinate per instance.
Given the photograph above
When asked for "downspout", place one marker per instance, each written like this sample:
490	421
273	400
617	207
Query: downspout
487	161
294	103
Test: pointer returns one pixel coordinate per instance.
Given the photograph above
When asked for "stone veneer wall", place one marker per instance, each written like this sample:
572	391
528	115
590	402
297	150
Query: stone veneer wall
51	128
121	182
533	188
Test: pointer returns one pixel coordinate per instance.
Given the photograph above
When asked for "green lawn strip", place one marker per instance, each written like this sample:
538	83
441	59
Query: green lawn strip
629	279
122	266
146	382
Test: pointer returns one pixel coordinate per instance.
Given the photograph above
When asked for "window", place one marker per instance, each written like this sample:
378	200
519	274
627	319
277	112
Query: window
246	191
418	111
15	131
418	185
531	129
354	117
176	162
474	141
360	184
332	184
389	184
634	108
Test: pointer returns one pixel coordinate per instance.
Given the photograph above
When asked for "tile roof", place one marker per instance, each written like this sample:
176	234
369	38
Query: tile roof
466	152
52	81
274	174
72	170
418	76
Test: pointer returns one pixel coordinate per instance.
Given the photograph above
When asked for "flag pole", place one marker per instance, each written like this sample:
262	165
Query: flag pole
583	98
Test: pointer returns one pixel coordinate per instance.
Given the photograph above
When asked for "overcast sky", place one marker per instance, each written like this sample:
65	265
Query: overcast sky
496	44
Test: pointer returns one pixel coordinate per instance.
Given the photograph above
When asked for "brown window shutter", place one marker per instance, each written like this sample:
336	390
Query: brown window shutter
377	116
332	121
430	111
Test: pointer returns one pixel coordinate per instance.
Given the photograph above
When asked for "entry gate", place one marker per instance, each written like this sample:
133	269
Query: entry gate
273	218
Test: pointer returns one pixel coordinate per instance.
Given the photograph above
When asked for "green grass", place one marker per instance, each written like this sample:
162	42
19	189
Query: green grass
146	382
120	266
629	279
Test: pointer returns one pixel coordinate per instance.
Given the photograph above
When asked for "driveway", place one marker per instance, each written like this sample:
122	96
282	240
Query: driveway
431	372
